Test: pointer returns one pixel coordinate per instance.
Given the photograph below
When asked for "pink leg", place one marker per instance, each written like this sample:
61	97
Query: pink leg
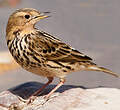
62	81
50	79
32	97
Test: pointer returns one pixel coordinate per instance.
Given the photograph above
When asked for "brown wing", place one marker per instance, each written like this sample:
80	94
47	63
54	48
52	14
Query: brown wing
53	49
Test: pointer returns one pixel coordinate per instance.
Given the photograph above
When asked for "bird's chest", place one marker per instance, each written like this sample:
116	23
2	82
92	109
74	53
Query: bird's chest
24	55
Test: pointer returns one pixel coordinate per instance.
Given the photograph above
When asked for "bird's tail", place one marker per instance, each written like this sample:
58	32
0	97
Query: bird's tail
96	68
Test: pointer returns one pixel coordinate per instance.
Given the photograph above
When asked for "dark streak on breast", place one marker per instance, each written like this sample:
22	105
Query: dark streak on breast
18	52
8	41
26	40
21	45
10	47
25	56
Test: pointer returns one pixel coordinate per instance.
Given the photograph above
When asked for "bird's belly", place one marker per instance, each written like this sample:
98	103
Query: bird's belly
46	72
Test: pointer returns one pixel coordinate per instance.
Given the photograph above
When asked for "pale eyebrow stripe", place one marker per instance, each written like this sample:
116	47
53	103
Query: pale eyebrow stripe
20	14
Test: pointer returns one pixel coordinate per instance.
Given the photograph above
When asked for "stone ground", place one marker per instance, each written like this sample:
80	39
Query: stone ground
91	26
66	98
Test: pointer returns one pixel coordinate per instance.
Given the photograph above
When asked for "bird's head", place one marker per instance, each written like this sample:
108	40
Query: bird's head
24	18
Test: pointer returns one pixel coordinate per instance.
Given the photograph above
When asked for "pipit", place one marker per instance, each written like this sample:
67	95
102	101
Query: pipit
41	53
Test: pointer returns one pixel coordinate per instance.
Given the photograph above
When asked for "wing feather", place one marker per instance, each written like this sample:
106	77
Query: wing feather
53	49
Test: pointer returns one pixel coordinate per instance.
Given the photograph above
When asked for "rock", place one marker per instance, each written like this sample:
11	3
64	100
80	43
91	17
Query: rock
66	98
7	62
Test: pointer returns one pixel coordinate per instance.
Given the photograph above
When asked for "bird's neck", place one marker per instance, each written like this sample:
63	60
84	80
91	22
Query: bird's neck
11	31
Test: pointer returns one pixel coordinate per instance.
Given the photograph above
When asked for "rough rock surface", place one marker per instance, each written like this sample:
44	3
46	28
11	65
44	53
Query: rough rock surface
66	98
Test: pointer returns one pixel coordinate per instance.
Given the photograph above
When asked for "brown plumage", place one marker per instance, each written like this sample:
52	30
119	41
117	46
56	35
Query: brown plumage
41	53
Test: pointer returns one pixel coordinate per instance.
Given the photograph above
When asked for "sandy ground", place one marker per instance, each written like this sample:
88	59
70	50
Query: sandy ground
91	26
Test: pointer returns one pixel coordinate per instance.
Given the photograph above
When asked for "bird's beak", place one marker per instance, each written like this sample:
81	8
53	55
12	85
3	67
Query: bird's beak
40	16
43	15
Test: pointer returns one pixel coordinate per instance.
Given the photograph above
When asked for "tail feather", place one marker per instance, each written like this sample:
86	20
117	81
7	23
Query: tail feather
96	68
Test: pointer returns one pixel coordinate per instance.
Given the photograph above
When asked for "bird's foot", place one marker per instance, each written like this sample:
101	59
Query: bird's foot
31	99
41	100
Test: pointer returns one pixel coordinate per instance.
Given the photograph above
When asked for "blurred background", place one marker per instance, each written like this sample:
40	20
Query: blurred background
91	26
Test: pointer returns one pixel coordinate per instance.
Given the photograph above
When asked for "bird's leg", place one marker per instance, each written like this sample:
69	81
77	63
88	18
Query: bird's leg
62	81
32	98
50	79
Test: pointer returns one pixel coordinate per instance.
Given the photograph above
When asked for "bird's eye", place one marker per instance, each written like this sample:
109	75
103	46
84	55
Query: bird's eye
27	16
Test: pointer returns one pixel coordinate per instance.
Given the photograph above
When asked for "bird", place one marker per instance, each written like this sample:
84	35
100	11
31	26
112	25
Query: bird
43	54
